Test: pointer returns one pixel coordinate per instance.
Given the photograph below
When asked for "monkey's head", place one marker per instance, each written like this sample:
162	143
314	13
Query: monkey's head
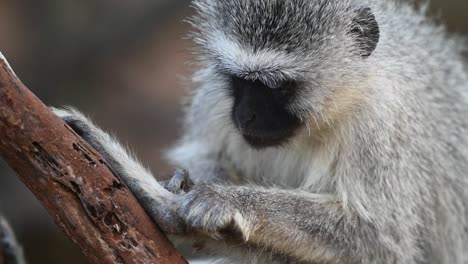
287	65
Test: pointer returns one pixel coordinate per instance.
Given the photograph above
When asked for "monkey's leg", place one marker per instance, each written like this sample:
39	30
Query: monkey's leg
124	165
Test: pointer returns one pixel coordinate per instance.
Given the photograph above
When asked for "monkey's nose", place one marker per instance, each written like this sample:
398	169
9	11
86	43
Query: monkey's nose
246	119
249	120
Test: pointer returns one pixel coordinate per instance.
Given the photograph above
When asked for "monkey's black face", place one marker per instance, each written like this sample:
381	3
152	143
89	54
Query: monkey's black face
260	112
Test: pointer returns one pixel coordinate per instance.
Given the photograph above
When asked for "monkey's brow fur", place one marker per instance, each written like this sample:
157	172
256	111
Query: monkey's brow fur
378	173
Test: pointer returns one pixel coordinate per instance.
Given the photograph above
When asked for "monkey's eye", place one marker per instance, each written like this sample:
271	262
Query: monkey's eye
286	91
357	31
275	85
289	85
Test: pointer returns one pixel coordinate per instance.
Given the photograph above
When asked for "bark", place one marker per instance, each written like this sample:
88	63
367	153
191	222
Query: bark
73	182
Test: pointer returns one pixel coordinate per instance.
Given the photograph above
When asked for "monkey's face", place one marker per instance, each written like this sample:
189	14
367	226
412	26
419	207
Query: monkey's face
261	112
286	63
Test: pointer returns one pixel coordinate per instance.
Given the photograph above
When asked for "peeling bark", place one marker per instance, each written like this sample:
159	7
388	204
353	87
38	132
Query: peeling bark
71	179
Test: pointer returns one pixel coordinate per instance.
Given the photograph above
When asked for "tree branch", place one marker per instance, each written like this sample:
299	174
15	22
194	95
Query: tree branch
74	183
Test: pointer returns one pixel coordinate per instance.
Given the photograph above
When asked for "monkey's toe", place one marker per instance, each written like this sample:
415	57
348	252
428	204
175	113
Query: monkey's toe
180	183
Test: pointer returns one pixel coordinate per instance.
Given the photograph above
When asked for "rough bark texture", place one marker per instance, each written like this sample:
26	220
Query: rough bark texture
92	206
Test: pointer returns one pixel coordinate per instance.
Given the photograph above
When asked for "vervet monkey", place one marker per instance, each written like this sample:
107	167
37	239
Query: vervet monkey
319	131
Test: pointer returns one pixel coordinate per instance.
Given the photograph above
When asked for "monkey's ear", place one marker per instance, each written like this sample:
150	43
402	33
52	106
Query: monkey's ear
366	31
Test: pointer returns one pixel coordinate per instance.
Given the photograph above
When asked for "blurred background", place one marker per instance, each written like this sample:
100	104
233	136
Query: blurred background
126	64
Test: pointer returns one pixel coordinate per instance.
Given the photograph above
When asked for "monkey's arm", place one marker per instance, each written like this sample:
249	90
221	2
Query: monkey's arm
303	226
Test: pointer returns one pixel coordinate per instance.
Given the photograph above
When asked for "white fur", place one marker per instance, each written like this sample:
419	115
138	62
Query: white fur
244	61
5	61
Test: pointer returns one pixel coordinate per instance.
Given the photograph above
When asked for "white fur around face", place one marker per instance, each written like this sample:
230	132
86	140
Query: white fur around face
244	61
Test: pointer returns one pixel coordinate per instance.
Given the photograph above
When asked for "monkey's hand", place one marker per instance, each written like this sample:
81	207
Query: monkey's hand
205	210
180	183
200	208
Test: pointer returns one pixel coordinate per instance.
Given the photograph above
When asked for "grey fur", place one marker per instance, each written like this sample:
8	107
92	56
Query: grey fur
12	251
379	172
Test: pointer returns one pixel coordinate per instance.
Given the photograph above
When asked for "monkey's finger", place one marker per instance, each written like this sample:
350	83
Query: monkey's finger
180	183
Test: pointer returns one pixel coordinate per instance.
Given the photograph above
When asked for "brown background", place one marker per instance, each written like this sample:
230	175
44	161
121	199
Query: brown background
125	63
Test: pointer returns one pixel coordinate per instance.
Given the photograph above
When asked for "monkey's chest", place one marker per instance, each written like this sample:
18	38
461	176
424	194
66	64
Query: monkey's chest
280	167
